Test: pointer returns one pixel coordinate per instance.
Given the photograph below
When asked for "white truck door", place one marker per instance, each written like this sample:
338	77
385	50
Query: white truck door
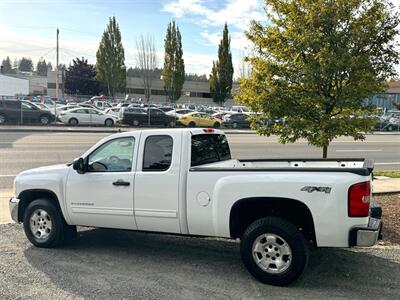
103	196
157	182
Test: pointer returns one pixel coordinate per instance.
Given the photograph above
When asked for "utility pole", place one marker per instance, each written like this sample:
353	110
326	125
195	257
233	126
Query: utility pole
55	104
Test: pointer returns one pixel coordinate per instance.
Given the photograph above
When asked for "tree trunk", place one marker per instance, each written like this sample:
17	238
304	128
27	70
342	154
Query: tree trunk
324	151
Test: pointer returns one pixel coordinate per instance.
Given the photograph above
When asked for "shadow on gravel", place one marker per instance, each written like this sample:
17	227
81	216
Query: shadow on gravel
113	263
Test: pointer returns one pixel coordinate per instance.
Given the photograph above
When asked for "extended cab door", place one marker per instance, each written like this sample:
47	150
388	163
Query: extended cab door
157	182
103	196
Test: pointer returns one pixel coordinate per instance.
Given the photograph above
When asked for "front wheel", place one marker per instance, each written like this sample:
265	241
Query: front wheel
135	123
274	251
2	119
192	124
43	224
216	125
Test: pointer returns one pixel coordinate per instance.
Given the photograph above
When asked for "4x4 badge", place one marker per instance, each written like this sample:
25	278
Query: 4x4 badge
310	189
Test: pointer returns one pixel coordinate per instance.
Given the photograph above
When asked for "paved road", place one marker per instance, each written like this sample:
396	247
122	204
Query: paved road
23	150
116	264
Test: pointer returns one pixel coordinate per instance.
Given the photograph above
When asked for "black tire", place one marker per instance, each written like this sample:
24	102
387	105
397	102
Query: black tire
171	124
57	233
2	119
234	125
135	123
390	128
44	120
73	122
217	125
192	124
283	231
109	122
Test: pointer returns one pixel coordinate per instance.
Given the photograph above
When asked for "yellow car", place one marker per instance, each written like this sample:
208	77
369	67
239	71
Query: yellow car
199	119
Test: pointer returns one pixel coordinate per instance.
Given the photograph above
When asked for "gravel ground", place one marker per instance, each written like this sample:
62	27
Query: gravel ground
391	218
112	264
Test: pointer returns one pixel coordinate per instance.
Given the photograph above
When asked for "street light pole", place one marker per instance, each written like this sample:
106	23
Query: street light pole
55	104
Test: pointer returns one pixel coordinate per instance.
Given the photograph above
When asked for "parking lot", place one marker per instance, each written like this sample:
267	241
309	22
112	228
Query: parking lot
105	264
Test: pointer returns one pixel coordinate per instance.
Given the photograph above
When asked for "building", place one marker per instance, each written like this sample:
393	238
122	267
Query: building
196	92
386	100
12	86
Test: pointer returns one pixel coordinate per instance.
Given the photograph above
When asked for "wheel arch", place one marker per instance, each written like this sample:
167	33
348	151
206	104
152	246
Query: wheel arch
247	210
27	196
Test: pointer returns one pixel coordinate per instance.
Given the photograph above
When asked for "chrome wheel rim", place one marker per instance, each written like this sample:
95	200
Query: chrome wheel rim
135	123
272	253
40	224
2	119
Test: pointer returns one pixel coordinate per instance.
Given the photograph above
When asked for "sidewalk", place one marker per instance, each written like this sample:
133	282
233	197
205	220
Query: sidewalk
385	185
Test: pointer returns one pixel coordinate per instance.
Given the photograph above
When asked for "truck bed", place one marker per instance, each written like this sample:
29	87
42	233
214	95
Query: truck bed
358	166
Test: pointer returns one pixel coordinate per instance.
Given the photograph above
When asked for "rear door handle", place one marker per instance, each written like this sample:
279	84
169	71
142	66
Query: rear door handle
121	182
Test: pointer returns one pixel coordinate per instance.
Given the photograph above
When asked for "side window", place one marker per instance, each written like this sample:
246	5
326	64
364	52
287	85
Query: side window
157	153
113	156
81	111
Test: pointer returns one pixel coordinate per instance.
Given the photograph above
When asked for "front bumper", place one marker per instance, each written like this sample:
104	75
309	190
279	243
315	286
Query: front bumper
368	236
13	204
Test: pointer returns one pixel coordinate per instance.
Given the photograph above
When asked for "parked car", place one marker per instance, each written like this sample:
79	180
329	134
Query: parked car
238	108
23	112
185	182
113	111
86	116
236	120
137	116
166	108
195	119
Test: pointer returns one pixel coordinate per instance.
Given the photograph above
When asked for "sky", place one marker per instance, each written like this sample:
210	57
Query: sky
28	27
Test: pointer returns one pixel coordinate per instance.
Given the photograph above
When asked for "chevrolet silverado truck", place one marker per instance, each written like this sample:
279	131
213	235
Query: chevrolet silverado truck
184	181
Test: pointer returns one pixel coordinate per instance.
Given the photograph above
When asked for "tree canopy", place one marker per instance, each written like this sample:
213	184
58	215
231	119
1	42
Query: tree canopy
41	68
221	76
80	78
316	62
25	65
7	67
110	65
174	66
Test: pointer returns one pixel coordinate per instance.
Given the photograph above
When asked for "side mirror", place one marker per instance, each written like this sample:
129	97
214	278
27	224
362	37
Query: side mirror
79	165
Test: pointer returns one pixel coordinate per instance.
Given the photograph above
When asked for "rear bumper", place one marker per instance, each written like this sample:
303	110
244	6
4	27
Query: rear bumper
13	204
367	236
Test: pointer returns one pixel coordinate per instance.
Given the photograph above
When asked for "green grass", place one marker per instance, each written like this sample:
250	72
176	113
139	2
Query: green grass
393	174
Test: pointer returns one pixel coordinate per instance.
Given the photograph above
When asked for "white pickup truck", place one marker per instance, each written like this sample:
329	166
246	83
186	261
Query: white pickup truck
184	181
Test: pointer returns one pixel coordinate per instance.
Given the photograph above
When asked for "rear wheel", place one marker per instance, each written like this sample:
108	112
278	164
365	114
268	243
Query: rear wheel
274	251
109	122
135	123
2	119
73	122
192	124
390	128
44	225
235	125
217	125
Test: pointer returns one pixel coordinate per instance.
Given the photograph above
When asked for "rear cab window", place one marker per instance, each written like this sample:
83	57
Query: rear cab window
209	148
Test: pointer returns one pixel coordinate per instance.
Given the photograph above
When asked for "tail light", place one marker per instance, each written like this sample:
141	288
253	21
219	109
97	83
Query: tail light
208	130
358	199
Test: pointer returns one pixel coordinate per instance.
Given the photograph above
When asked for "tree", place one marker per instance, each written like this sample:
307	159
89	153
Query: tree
316	62
41	68
6	64
213	80
25	65
146	57
49	67
221	86
80	78
174	66
110	66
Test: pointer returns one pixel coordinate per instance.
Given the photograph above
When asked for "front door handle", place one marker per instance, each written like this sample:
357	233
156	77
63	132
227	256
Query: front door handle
121	182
